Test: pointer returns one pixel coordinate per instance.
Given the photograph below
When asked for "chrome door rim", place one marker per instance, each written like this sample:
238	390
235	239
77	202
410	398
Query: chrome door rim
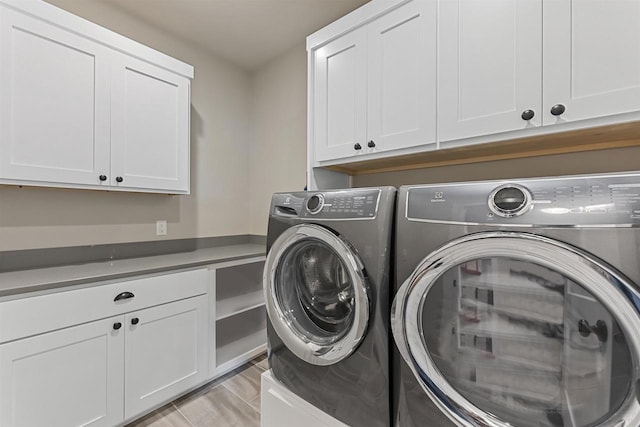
301	346
624	305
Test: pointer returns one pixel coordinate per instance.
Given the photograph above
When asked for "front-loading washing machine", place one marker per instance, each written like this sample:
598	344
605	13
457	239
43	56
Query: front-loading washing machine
518	303
327	288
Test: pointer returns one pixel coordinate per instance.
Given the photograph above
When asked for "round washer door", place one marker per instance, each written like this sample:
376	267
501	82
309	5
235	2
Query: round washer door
316	294
514	329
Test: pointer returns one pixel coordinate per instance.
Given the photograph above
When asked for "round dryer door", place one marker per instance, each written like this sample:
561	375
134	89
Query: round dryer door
316	294
514	329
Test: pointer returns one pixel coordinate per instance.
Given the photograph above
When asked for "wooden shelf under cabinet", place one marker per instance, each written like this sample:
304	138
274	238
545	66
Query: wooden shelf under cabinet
600	138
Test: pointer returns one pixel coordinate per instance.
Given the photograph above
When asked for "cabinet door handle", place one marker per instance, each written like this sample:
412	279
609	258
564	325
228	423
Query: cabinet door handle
135	321
528	114
119	179
558	109
117	325
102	177
123	295
371	144
357	146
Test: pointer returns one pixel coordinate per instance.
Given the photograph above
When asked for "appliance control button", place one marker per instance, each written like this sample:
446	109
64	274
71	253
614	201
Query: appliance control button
510	200
315	203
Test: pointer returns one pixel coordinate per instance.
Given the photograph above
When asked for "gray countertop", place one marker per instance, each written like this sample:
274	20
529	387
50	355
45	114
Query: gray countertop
19	283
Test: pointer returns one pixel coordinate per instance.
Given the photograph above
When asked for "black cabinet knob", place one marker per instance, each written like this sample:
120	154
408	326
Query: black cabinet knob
557	109
357	146
119	179
102	177
135	321
117	325
371	144
528	114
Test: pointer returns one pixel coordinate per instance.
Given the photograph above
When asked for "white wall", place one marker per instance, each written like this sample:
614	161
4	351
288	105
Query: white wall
279	118
220	131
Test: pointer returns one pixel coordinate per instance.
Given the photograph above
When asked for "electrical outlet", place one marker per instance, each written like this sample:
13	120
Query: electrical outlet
161	228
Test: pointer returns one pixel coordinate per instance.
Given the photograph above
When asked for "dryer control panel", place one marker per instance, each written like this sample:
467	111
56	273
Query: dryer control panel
328	205
603	200
345	204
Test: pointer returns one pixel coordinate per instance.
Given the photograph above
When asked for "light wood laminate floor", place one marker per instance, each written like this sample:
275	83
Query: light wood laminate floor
232	400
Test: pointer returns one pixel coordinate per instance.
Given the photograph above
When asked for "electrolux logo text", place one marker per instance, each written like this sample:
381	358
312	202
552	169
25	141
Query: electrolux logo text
438	197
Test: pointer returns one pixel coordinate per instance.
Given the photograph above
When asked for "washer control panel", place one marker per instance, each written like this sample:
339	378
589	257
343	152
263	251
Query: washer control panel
343	204
607	200
315	203
510	200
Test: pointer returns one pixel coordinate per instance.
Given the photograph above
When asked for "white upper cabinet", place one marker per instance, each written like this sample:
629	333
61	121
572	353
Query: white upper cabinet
402	77
502	61
83	107
54	103
450	73
340	96
373	88
591	58
149	127
489	66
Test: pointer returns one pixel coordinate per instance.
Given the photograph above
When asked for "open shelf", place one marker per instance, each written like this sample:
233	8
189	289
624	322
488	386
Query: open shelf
238	289
238	335
238	326
238	304
238	352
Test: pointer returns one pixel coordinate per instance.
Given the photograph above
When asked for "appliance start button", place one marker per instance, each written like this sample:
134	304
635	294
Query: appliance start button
315	203
510	200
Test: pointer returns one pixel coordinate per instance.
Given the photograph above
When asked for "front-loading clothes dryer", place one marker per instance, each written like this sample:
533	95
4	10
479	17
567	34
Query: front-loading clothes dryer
327	289
518	304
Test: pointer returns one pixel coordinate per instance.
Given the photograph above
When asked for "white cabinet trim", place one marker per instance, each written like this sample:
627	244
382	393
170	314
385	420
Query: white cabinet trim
56	16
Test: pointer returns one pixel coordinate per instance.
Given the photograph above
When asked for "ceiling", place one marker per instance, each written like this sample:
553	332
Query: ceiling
247	33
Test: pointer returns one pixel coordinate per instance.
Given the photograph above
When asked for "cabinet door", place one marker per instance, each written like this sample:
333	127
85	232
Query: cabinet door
489	54
165	353
149	128
591	58
402	77
340	97
54	103
71	377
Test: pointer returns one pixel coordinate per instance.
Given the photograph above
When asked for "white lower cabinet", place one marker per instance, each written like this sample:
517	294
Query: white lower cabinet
165	353
152	347
106	354
71	377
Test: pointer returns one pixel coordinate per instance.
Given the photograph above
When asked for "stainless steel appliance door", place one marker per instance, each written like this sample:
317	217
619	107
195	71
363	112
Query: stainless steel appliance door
316	293
515	329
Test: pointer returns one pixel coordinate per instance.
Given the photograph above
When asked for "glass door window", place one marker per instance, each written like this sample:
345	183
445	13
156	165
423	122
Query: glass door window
522	331
316	294
313	287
